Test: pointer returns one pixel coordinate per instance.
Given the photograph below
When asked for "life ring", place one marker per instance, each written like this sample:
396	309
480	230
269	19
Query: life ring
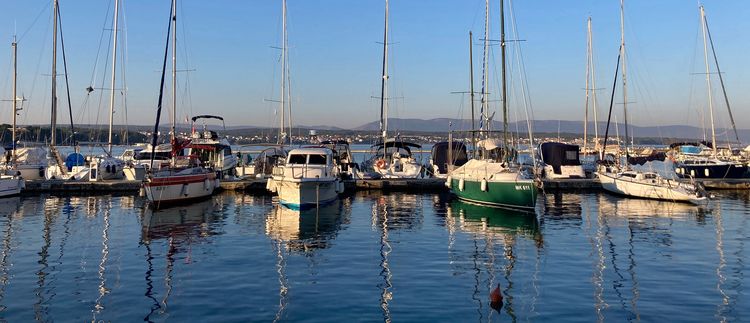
380	163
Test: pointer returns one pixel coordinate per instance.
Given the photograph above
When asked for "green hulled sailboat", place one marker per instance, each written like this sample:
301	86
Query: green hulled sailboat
493	177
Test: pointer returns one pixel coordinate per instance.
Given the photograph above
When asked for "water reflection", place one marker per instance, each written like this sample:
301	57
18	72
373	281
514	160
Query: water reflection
491	228
180	226
563	205
9	209
305	231
645	208
391	212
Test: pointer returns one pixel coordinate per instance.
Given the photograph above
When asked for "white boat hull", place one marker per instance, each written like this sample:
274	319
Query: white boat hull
667	190
565	172
179	187
303	194
31	171
10	185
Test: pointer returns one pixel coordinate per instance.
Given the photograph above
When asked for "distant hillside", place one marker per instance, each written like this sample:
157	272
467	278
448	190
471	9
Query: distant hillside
554	126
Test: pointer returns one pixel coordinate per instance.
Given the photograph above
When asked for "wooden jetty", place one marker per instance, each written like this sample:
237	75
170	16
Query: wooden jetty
725	184
255	184
60	185
399	184
571	184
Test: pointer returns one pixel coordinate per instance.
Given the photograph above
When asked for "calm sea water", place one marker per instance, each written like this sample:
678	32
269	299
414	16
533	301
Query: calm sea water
373	257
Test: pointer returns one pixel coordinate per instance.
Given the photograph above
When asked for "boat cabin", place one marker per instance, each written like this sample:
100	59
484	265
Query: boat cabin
308	163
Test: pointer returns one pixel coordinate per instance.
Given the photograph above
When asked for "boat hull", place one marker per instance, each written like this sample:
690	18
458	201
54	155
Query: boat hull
10	185
174	189
712	171
31	172
516	194
619	185
306	194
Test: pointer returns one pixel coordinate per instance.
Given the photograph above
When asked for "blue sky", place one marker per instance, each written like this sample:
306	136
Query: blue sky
335	57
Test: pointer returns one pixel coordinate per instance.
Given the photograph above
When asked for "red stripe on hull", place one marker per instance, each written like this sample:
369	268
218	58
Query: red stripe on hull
179	180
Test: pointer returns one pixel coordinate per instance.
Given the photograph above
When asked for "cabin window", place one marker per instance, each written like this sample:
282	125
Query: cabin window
297	159
571	155
227	151
317	160
629	175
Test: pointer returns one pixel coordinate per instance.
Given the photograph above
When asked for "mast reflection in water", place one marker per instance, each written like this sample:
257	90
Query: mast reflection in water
372	257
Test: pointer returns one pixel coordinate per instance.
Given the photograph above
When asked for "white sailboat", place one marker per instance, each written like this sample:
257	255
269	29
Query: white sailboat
393	157
627	181
29	162
182	179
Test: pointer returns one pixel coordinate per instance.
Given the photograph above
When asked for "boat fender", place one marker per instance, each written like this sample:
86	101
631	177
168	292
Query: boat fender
678	170
692	172
109	169
206	184
41	171
183	191
483	185
706	172
461	185
448	181
496	299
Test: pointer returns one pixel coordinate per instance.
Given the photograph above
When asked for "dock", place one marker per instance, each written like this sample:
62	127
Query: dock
725	184
255	184
572	184
59	185
398	184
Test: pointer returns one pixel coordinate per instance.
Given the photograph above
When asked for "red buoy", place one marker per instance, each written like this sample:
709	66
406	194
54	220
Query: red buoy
496	298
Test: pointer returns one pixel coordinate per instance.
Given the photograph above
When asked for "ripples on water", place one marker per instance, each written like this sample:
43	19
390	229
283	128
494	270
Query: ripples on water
373	257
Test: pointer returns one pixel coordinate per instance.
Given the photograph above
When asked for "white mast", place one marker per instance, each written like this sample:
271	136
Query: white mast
708	81
384	81
112	84
590	90
483	107
174	72
624	70
15	98
282	133
53	117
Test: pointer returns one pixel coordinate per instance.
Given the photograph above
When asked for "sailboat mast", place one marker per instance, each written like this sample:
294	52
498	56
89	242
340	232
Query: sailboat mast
384	81
471	91
53	116
594	105
708	81
483	108
624	70
282	102
174	73
588	89
503	80
112	84
15	102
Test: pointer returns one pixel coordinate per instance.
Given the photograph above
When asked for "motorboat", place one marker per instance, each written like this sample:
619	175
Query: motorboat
212	150
560	161
307	179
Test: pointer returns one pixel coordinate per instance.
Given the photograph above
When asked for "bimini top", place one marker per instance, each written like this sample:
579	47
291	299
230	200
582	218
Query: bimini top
559	154
397	144
335	142
207	116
